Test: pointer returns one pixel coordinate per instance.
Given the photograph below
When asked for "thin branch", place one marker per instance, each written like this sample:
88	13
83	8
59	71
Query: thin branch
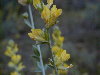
38	46
56	70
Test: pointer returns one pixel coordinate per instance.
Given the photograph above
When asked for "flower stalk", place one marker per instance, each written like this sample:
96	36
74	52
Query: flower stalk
50	14
52	55
38	46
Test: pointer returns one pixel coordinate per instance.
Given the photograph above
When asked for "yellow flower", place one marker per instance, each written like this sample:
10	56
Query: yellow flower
23	2
50	15
64	56
46	14
37	35
11	64
65	67
55	49
11	48
37	4
20	67
55	12
8	53
16	59
14	63
14	73
50	2
58	39
61	69
60	55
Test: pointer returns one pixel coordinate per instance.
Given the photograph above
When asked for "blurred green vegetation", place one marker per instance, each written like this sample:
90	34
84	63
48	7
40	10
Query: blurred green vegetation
80	24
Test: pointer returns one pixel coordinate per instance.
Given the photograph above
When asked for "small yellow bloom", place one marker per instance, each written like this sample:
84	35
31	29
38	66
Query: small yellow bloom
50	15
14	73
55	12
50	2
60	55
37	4
64	56
20	67
16	59
58	39
14	63
45	14
8	53
37	35
55	49
11	48
11	64
62	70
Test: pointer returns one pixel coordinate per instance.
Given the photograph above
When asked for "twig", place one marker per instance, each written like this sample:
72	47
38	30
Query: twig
38	46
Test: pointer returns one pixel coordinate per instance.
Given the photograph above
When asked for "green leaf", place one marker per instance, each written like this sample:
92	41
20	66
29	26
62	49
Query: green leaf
36	57
36	52
26	21
25	15
39	65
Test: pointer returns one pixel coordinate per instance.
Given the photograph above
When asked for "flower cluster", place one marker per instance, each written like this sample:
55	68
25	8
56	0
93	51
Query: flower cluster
37	35
48	14
60	55
38	4
15	61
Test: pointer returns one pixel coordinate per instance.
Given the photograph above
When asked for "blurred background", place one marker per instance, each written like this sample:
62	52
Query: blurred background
79	23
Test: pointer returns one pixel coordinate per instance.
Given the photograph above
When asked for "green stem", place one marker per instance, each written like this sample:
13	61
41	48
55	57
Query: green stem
50	48
38	46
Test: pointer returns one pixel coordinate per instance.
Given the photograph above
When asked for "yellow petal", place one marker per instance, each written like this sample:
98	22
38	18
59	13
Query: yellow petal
50	2
14	73
11	64
15	59
45	13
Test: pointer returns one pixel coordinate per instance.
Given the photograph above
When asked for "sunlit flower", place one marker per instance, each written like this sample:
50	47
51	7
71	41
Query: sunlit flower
11	64
37	4
20	67
61	56
50	15
8	53
16	59
58	39
50	2
61	70
64	68
14	73
11	48
55	49
37	35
